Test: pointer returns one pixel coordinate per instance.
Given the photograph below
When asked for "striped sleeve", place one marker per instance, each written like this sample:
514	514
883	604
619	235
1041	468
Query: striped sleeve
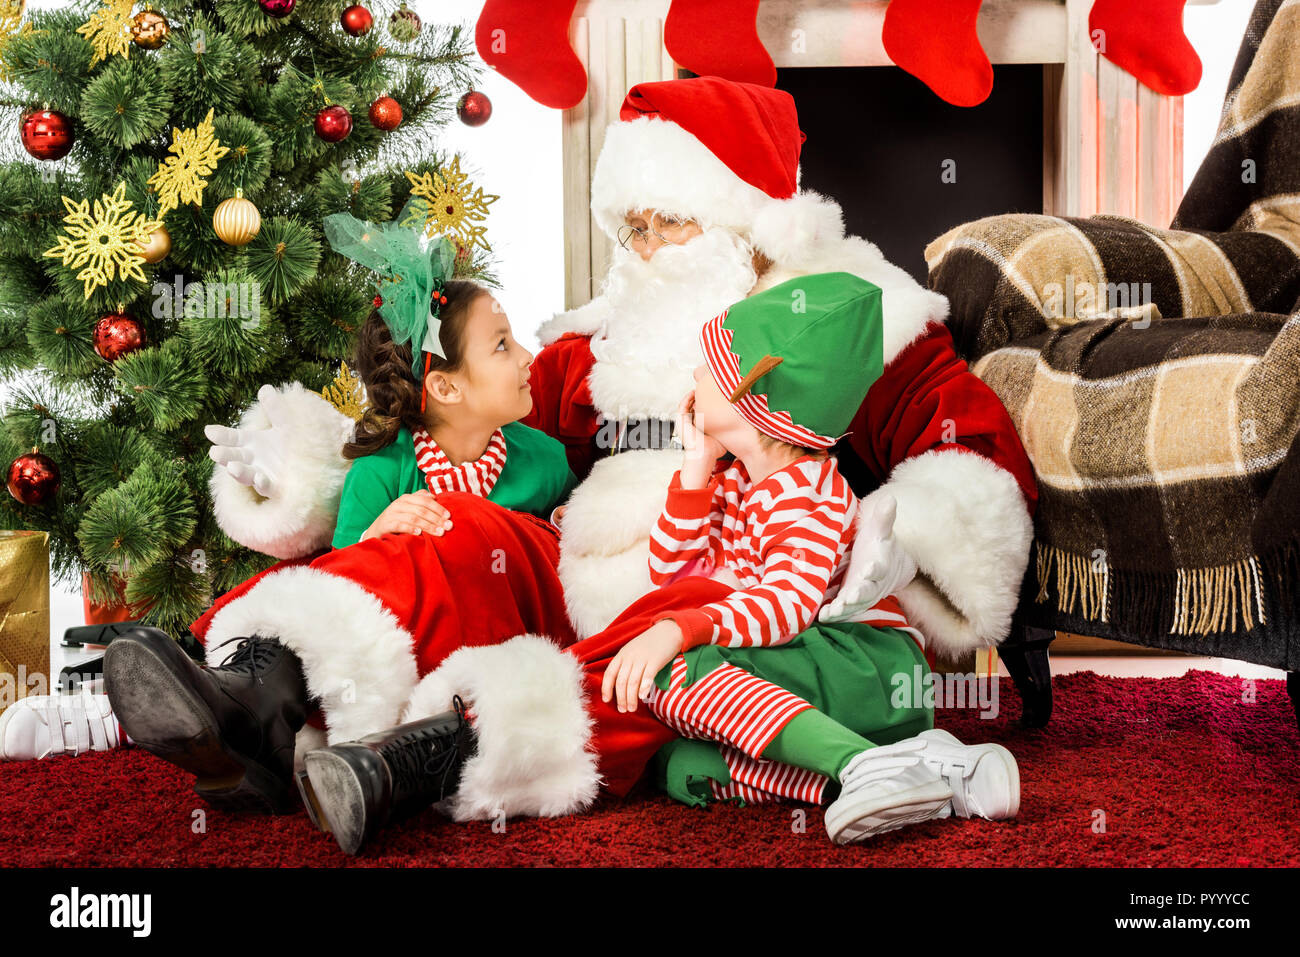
682	533
805	532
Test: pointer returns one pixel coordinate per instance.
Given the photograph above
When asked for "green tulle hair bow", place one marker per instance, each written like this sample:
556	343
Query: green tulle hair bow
413	268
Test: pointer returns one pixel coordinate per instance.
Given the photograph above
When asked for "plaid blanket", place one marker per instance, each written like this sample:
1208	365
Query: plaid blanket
1233	247
1152	374
1168	500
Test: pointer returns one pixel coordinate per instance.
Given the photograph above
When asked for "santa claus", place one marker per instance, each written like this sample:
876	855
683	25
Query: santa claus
698	184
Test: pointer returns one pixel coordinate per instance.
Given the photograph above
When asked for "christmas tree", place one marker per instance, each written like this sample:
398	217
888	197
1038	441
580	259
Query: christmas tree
162	192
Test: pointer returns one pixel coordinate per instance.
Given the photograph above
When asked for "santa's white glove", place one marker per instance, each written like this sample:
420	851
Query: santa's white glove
878	565
254	456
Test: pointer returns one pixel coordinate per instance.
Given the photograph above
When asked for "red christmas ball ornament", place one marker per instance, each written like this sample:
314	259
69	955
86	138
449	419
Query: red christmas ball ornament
333	124
33	478
385	113
474	108
47	134
118	334
277	8
357	20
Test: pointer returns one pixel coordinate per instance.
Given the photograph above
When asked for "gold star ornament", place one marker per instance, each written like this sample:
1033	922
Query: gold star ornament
456	206
109	29
107	241
182	178
346	393
11	26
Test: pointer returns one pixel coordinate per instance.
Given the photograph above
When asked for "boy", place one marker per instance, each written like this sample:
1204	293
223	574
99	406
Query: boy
777	524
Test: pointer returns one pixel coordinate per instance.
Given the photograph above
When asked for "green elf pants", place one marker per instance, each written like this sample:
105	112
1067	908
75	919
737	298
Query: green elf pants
846	670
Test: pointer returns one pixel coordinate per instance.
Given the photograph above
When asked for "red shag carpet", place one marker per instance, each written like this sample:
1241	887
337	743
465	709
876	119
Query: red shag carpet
1130	771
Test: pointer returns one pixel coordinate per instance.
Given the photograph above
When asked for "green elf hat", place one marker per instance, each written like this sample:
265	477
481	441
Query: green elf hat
797	359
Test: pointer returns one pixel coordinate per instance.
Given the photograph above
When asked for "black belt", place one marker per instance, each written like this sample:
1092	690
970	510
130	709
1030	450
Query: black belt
626	435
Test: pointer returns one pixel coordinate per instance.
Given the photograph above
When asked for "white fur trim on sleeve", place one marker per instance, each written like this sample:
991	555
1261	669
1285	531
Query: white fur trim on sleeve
356	657
533	727
300	518
585	320
964	520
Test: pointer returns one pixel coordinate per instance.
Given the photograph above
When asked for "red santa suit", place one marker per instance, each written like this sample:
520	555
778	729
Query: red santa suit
369	618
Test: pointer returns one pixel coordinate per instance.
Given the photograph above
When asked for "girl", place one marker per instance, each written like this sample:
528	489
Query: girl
439	456
408	450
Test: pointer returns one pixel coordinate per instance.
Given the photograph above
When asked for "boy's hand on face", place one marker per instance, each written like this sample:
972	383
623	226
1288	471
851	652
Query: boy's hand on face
631	675
702	450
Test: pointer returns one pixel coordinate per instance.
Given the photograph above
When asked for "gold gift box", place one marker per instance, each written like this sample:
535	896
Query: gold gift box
24	615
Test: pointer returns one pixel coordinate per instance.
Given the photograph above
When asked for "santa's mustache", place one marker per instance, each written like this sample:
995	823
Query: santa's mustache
716	261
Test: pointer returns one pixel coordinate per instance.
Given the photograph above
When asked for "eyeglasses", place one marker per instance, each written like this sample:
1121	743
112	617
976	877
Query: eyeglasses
669	229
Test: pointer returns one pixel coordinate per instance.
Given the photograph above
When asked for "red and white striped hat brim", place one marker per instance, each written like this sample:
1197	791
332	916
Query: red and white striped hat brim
725	366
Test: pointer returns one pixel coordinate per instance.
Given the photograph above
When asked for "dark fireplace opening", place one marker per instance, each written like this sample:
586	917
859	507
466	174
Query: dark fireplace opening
880	143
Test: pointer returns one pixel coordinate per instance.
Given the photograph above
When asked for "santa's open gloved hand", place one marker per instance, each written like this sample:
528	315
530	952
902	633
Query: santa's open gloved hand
878	565
254	456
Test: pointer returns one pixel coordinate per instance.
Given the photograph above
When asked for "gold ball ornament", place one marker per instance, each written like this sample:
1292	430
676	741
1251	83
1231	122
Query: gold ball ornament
149	29
157	247
236	221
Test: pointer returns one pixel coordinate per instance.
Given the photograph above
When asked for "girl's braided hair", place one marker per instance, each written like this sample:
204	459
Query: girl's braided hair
392	391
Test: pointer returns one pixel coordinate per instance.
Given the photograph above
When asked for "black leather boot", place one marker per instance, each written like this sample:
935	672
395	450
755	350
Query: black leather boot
353	790
232	726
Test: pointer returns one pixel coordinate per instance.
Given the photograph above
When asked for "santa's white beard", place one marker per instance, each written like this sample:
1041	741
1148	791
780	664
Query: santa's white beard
648	348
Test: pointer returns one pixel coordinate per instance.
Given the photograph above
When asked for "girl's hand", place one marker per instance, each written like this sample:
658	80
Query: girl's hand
415	514
702	450
631	675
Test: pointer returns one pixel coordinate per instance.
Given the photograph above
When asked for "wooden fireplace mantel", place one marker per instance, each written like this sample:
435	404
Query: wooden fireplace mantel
1111	145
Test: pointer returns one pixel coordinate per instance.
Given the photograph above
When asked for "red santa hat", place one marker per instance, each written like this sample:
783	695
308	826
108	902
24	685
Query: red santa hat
716	151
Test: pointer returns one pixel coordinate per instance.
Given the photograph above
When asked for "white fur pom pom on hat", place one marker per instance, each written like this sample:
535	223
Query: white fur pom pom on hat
792	231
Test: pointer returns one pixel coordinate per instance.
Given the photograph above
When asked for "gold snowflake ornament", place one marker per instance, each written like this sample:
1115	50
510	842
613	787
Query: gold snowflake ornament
109	29
456	206
346	393
11	26
106	242
182	178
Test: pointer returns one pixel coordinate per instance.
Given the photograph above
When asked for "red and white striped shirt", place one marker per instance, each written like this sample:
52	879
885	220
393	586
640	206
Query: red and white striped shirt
786	540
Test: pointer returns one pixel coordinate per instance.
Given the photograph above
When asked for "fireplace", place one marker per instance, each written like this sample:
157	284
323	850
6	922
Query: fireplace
1065	131
904	165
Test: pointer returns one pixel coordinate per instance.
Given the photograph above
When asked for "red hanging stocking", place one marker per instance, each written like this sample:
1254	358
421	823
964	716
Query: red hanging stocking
719	38
935	41
528	44
1147	40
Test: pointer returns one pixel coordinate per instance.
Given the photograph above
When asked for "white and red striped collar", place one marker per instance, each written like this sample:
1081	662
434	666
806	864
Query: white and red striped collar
475	477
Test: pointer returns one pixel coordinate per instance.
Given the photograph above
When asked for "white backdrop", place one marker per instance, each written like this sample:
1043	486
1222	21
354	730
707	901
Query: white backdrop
517	155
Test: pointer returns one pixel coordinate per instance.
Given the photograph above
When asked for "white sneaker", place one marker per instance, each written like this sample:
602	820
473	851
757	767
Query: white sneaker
885	788
984	778
44	726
